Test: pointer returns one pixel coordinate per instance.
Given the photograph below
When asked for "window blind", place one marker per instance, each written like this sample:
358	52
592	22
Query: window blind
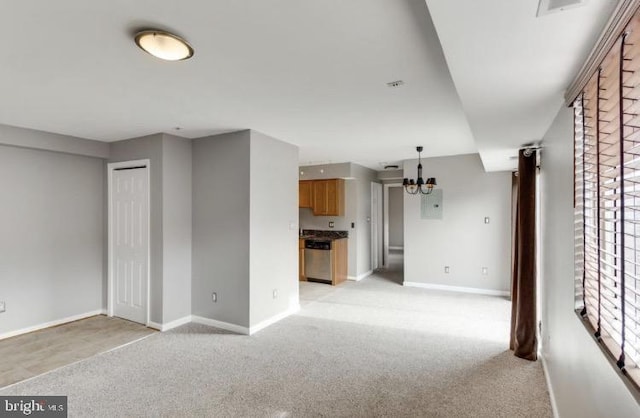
607	201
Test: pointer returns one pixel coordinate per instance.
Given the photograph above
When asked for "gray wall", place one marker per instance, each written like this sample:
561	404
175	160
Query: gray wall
30	138
221	221
396	216
53	238
461	239
149	147
176	229
584	383
274	231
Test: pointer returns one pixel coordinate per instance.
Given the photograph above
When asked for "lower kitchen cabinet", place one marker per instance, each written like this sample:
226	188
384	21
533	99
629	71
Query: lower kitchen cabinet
301	260
340	261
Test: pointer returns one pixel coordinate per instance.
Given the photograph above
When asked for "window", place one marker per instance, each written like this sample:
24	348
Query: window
607	201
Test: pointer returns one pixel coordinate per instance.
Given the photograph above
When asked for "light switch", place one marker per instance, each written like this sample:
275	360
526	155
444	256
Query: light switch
486	219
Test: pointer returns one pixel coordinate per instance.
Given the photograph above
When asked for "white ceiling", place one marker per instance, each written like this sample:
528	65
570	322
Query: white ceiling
511	68
312	73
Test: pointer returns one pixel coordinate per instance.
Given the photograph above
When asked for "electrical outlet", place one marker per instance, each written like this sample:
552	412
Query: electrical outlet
275	293
485	271
3	306
353	225
446	269
214	297
331	224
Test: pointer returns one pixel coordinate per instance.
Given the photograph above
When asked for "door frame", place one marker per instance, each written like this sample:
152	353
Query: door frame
110	294
385	211
377	248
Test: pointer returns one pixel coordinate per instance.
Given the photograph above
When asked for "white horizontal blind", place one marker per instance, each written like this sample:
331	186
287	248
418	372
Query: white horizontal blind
607	201
579	196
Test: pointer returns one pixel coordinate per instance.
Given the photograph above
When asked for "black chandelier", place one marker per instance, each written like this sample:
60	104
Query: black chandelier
412	186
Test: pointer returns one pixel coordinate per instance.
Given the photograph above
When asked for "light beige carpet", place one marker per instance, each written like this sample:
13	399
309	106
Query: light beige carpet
366	349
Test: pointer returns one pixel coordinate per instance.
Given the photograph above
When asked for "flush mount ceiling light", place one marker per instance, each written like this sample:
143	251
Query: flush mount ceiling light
164	45
419	186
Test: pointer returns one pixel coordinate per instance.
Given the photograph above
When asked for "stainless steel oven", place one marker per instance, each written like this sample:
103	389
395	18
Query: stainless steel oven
317	260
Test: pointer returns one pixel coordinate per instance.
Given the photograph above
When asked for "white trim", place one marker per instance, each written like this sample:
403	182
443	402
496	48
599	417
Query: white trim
377	225
170	325
110	168
220	324
154	325
552	394
178	322
474	290
270	321
360	276
619	19
396	247
52	323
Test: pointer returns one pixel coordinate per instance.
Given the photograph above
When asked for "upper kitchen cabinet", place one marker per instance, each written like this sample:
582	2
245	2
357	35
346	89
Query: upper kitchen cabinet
305	194
328	197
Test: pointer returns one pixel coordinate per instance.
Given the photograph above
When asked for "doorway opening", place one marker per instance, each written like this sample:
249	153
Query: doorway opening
394	232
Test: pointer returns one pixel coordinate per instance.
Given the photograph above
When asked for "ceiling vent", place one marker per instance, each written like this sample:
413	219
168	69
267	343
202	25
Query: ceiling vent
546	7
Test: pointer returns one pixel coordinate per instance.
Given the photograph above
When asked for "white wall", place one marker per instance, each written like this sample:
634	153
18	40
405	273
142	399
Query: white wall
274	227
584	383
221	227
461	240
396	216
52	240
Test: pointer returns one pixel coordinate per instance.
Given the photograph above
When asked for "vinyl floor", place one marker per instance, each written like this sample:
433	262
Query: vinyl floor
25	356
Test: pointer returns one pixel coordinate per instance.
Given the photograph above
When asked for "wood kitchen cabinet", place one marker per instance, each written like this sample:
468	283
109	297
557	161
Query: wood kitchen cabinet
328	197
301	260
305	194
340	261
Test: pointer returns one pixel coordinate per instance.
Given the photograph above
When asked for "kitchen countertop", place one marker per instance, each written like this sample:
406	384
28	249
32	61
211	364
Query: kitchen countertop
323	235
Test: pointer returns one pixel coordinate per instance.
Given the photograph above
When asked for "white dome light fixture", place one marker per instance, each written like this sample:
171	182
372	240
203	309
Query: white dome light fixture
164	45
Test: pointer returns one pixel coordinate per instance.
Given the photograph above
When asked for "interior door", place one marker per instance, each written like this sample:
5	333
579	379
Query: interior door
130	242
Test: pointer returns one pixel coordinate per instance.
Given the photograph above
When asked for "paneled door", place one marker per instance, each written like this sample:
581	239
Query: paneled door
129	232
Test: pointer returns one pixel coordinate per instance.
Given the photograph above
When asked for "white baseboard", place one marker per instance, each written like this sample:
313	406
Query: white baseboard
474	290
52	323
270	321
220	324
360	276
396	247
154	325
169	325
552	395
